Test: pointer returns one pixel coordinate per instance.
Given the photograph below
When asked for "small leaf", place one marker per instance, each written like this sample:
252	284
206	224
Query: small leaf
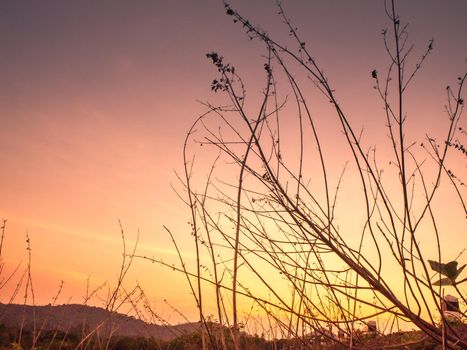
436	266
443	282
451	270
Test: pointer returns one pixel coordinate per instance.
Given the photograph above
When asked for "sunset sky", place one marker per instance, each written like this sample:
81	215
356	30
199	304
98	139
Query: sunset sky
96	98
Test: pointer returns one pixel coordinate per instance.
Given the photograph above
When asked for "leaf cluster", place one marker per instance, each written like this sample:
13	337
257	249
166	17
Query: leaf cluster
449	270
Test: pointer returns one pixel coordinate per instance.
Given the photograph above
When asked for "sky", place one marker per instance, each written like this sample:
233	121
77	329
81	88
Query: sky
96	98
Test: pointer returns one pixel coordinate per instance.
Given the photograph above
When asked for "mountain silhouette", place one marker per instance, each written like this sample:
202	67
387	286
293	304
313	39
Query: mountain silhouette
82	318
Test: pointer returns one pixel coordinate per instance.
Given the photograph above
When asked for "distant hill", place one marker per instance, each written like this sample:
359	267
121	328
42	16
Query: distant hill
75	317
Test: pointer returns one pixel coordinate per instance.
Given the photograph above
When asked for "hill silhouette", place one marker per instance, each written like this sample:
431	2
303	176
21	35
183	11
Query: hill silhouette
75	317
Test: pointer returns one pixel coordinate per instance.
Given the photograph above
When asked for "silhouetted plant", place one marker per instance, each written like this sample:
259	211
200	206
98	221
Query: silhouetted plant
269	213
